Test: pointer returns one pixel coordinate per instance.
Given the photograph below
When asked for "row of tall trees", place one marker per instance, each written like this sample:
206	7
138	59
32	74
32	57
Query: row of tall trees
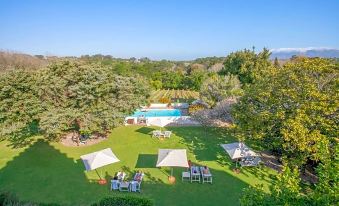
66	96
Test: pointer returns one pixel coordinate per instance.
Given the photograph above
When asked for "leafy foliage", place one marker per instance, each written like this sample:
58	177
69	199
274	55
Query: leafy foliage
293	109
247	65
217	88
19	104
124	201
286	190
68	96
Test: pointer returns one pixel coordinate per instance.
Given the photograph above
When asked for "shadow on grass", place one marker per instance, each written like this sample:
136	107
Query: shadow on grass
25	136
204	142
146	161
145	130
43	174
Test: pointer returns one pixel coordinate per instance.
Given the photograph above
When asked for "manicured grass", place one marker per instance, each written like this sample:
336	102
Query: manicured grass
51	172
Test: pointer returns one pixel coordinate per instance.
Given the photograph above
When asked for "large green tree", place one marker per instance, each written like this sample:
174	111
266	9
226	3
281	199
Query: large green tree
293	110
88	98
67	96
217	88
247	65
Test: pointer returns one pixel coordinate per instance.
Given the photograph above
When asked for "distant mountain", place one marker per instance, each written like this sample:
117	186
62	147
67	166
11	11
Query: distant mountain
286	53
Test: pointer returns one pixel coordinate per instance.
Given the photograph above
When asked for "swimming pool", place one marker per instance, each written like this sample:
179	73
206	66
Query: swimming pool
157	113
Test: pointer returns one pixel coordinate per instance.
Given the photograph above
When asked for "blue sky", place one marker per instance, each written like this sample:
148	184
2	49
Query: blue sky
177	29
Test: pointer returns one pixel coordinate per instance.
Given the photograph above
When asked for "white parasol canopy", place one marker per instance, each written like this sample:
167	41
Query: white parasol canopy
99	159
159	122
172	158
238	150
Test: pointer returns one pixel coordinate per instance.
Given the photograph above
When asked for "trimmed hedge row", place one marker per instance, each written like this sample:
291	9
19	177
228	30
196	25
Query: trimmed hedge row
8	199
124	201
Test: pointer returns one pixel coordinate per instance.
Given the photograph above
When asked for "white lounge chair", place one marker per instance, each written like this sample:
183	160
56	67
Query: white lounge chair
115	184
195	174
206	177
136	183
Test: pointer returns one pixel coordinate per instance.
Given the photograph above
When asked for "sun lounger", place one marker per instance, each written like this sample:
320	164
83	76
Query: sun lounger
136	183
115	184
195	174
206	177
134	186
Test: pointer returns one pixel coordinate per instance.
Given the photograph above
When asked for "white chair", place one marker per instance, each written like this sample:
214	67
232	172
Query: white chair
185	175
114	184
206	177
135	186
195	174
167	134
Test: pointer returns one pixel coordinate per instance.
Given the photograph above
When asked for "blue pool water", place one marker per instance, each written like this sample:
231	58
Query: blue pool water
158	113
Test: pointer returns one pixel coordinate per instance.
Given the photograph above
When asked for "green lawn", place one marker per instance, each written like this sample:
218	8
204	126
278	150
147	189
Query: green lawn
51	172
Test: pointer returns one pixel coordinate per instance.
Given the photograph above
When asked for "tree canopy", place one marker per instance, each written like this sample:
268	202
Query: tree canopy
68	96
293	109
247	65
217	88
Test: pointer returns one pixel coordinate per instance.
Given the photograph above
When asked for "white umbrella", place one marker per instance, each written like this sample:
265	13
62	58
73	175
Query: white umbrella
172	158
94	160
159	122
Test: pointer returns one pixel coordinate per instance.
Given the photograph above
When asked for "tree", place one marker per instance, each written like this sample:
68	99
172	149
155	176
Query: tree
217	88
286	190
247	65
87	98
66	97
276	63
293	110
19	105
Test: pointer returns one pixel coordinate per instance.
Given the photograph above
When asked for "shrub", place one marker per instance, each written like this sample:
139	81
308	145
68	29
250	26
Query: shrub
195	107
124	201
164	100
9	199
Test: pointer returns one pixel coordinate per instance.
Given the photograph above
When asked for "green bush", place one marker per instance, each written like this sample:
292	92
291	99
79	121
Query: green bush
9	199
124	201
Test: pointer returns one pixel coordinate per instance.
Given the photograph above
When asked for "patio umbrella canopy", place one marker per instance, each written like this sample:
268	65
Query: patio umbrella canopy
159	122
172	158
99	159
238	150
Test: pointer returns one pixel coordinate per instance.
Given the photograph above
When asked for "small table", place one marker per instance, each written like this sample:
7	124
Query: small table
124	186
186	175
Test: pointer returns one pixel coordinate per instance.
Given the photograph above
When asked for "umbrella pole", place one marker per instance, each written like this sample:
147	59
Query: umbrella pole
171	171
97	173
